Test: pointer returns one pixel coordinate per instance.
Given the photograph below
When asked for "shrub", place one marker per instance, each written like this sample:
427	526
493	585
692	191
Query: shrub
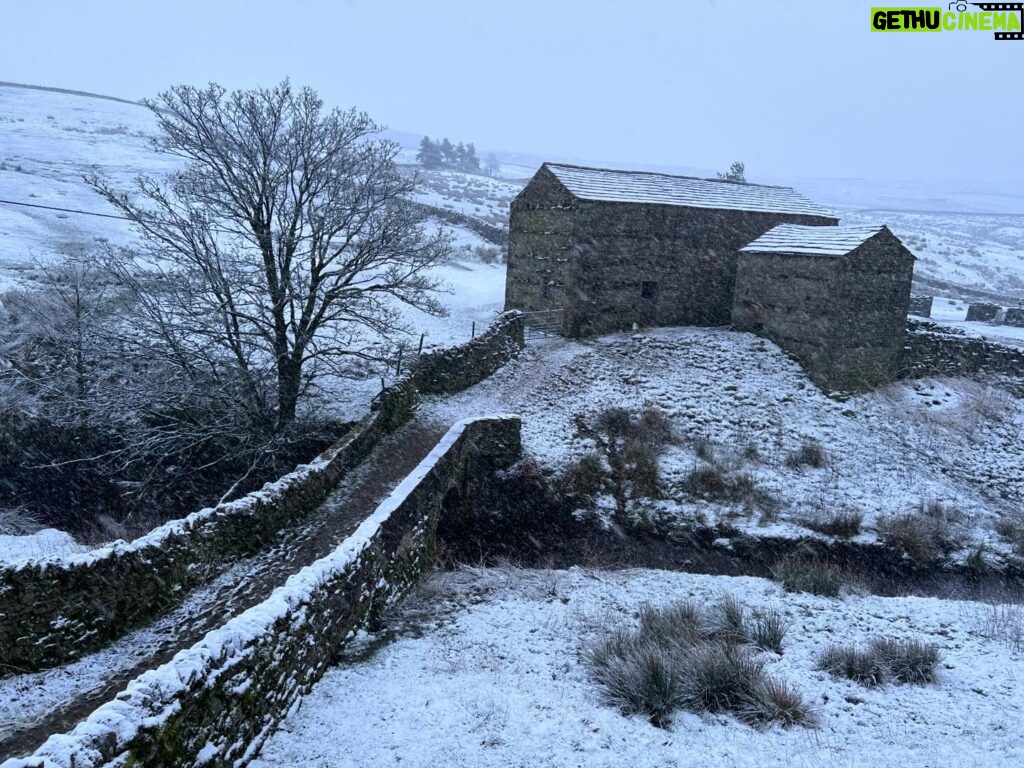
628	446
925	540
907	661
643	470
654	428
843	524
810	454
768	630
816	577
847	661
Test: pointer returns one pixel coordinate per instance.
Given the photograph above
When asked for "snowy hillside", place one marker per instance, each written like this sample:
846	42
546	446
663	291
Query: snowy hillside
742	409
50	139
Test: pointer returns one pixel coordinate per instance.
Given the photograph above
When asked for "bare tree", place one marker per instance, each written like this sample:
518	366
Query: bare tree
282	249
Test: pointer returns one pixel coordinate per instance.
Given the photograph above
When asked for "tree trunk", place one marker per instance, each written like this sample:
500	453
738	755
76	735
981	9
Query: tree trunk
289	376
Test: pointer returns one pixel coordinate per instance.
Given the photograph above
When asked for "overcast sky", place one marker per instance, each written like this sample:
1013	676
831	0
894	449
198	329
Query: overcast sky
794	88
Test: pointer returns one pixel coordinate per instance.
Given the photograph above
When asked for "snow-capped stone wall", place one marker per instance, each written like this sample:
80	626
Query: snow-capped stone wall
215	703
934	350
57	609
453	369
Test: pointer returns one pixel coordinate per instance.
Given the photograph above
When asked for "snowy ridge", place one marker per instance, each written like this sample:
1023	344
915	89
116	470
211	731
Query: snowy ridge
685	191
152	698
814	241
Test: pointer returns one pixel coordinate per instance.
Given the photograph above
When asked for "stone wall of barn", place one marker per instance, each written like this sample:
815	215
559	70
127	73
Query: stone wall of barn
791	300
843	318
539	245
871	315
657	265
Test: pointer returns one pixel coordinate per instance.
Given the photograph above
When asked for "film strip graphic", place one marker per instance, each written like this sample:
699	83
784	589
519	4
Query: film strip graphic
1018	7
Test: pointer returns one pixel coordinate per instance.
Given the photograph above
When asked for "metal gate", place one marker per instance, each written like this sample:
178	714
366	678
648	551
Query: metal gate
542	325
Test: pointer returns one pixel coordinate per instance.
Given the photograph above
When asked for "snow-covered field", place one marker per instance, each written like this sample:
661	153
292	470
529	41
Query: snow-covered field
955	442
954	313
486	671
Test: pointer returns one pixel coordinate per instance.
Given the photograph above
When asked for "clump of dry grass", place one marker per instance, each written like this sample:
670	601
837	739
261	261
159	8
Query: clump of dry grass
843	523
814	576
924	539
899	661
682	657
809	454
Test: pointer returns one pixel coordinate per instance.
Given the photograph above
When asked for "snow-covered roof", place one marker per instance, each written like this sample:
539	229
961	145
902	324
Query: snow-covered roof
811	241
686	191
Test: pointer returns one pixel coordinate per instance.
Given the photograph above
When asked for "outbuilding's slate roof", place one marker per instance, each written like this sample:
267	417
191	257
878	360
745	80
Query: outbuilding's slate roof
686	191
811	241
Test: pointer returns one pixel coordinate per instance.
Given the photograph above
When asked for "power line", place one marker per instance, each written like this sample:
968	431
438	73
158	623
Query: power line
65	210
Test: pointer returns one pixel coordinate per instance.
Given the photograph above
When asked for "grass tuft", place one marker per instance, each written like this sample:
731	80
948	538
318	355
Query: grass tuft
768	630
901	661
682	657
813	576
847	661
924	539
907	661
775	701
843	524
810	454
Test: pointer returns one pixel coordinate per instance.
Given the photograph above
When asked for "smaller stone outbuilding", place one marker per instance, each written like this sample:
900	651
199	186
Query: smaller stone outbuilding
836	298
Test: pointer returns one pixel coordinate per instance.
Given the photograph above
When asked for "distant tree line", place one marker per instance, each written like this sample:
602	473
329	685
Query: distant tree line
444	154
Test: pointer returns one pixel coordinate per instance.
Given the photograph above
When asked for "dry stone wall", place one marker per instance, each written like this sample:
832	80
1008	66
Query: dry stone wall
453	369
934	350
216	703
58	609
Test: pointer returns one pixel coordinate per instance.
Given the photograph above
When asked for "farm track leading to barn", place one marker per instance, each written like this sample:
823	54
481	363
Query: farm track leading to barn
33	706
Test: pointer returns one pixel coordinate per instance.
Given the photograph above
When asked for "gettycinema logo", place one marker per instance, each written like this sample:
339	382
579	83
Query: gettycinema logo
1002	19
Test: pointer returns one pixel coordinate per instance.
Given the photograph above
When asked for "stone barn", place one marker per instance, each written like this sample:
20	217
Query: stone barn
611	249
835	298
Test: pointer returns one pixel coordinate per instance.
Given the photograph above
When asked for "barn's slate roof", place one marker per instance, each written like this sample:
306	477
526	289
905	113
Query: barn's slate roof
686	191
811	241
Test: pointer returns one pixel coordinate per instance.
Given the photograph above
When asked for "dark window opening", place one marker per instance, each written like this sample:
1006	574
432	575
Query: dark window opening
648	290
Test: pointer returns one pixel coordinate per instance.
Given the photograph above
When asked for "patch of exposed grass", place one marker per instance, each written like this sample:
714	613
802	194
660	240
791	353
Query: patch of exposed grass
1012	531
711	482
843	524
768	630
907	661
813	576
775	701
924	539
